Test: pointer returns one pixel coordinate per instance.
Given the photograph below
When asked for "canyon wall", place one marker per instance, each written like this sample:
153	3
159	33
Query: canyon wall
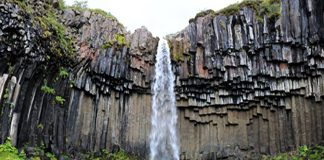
244	86
98	98
247	86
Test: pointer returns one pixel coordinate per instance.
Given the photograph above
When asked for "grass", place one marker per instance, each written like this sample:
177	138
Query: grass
103	13
10	152
104	155
82	6
303	153
9	156
59	29
119	40
62	5
54	31
270	8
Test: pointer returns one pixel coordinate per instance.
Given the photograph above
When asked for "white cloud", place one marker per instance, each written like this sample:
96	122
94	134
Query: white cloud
161	17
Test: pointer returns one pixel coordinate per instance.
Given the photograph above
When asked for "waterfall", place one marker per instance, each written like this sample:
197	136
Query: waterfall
163	136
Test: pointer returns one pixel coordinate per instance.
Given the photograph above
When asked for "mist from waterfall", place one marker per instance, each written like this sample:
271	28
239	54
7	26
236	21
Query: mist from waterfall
163	136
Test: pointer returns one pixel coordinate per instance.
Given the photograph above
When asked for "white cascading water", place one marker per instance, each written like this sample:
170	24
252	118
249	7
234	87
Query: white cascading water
163	136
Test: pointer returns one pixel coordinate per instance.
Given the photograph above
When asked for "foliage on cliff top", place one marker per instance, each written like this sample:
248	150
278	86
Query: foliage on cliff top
270	8
22	4
53	35
82	5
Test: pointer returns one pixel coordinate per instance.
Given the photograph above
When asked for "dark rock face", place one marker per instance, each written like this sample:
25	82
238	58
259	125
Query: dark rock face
107	100
246	88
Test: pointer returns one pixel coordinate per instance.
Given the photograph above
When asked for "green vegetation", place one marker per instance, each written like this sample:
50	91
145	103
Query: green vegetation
40	126
47	90
302	153
65	43
54	32
176	52
61	5
40	153
6	94
10	68
59	100
82	5
23	5
118	39
103	13
9	152
63	73
50	156
177	57
121	155
270	8
104	154
204	13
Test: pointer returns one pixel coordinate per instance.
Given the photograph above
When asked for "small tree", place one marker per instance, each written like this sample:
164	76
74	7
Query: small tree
82	4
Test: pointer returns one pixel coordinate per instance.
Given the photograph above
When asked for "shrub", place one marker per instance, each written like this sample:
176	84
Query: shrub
55	30
47	90
50	156
105	14
63	73
303	152
8	151
61	5
120	155
60	100
81	4
6	94
118	39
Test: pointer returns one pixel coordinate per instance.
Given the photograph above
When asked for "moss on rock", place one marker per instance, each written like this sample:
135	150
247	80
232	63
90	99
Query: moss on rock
119	40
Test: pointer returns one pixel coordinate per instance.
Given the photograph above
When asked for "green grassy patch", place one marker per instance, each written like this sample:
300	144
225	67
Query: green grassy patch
62	5
10	152
119	40
103	13
303	153
104	155
270	8
83	6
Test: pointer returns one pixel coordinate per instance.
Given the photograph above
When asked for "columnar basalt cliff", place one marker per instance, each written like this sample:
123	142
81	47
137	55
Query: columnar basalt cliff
76	81
97	98
247	86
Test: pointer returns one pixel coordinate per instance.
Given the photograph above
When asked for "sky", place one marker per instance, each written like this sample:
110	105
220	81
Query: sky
161	17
